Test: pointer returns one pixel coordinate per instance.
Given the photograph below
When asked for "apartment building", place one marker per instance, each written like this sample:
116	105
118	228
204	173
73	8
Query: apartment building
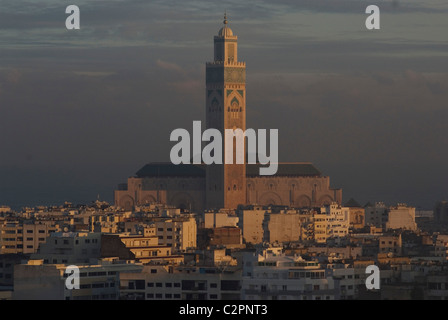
251	224
70	248
22	237
376	215
39	281
284	226
332	222
401	216
157	282
179	233
271	276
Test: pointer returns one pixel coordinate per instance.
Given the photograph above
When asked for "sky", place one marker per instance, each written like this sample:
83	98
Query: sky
82	110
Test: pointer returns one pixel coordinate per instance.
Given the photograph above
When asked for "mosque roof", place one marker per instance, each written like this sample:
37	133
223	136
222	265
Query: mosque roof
286	169
167	169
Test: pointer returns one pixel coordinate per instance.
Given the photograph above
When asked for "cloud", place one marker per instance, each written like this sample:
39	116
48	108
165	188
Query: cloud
170	66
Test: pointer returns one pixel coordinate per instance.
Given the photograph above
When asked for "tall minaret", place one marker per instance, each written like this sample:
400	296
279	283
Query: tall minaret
226	109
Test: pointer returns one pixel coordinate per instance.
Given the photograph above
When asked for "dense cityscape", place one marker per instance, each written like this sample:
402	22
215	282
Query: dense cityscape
207	231
158	251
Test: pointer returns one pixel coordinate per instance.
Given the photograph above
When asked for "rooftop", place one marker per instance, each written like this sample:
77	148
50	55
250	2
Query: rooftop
167	169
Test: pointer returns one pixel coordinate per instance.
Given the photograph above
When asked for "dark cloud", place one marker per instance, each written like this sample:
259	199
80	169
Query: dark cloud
84	110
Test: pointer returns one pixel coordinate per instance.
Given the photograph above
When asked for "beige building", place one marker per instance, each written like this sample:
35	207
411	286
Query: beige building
230	237
441	246
20	237
251	224
331	222
284	226
390	244
356	214
197	187
179	233
401	217
219	219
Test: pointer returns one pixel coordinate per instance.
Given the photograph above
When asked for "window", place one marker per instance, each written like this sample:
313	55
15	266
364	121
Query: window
29	231
168	296
153	270
177	285
158	296
140	284
213	285
150	296
168	285
159	284
150	284
214	296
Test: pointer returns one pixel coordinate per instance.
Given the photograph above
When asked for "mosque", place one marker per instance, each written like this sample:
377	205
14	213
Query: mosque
199	187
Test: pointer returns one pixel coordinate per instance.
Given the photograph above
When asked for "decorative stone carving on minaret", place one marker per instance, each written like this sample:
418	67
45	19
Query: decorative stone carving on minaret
225	109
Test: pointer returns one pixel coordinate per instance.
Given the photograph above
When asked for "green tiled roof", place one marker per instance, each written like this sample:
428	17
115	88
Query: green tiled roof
167	169
286	169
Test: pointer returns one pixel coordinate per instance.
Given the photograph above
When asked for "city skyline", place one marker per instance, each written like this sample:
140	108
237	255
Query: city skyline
89	108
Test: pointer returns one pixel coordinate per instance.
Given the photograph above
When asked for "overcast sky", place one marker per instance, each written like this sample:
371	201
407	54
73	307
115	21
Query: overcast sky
82	110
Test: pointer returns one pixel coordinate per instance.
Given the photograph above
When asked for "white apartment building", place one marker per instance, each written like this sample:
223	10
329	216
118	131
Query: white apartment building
38	281
183	283
70	248
272	276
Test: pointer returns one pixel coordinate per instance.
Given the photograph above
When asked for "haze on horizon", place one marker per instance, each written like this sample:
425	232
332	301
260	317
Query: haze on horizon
82	110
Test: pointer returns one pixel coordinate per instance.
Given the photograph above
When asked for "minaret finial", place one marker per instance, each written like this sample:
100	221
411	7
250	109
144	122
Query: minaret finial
225	17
